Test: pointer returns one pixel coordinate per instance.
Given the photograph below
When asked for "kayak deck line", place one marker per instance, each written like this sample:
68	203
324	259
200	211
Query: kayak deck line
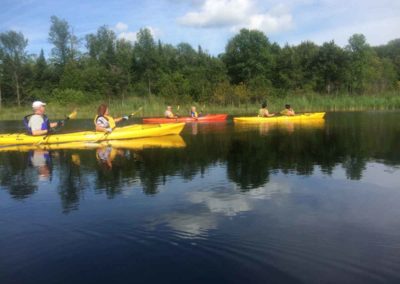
299	117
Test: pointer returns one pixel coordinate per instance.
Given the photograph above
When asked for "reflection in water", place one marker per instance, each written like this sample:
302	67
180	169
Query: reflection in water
213	203
281	204
41	160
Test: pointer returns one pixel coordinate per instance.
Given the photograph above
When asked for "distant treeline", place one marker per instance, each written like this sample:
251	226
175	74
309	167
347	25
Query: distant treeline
251	68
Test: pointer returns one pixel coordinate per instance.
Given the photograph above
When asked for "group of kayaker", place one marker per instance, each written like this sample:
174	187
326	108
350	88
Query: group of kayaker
169	114
38	123
263	112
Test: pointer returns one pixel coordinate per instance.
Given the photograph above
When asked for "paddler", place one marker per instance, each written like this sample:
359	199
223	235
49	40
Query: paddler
193	112
104	122
38	123
288	111
263	112
168	113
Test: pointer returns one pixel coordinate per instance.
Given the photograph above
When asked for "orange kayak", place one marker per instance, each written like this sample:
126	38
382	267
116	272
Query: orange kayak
206	118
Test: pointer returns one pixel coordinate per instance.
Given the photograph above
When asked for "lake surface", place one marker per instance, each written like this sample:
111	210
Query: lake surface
317	203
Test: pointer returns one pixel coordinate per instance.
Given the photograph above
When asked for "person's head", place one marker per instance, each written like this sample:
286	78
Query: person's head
169	108
38	107
102	110
264	105
287	106
193	108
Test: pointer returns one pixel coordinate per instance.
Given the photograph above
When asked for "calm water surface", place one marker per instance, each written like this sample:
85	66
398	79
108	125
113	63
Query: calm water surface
226	204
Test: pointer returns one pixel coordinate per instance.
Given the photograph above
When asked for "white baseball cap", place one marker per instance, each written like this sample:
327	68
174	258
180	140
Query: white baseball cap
37	104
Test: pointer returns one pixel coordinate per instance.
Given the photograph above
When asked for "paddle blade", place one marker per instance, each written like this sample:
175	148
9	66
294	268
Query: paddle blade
135	112
72	115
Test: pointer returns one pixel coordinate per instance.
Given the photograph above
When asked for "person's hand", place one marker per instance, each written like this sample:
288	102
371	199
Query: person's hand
60	123
125	117
108	130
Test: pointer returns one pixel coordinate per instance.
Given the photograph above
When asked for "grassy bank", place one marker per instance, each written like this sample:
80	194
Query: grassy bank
155	106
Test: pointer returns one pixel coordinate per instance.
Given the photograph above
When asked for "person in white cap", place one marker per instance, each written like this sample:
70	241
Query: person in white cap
38	123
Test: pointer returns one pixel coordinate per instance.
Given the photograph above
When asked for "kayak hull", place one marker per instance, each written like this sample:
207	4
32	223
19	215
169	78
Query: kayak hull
206	118
277	119
170	141
129	132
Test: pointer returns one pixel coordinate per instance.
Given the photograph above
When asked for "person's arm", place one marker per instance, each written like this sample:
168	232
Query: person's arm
102	129
268	114
39	132
101	126
119	119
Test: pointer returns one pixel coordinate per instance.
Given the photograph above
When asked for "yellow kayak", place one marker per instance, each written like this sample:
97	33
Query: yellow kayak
304	117
170	141
128	132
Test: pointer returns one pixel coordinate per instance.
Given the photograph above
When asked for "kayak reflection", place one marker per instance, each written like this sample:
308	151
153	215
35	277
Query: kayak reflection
287	126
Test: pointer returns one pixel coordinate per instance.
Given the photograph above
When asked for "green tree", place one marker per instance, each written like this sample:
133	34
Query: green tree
64	42
360	55
247	55
13	46
332	65
146	59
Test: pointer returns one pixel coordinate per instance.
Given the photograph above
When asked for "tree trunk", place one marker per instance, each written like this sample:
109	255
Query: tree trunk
17	88
149	86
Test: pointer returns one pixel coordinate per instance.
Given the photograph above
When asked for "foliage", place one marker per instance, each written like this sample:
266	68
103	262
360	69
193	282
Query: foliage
251	70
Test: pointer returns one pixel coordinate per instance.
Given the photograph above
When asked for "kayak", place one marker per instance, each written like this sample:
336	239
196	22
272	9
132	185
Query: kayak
128	132
304	117
170	141
206	118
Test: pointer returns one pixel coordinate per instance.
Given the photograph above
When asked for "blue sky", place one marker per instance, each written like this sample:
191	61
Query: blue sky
209	23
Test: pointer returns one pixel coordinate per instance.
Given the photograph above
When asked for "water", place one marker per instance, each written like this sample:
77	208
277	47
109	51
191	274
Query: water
228	204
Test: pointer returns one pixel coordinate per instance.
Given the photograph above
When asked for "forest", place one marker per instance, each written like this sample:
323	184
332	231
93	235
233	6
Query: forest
102	66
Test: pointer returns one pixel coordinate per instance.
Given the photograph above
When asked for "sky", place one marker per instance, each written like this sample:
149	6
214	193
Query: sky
209	23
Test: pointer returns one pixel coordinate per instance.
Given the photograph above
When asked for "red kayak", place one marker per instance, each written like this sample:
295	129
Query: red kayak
206	118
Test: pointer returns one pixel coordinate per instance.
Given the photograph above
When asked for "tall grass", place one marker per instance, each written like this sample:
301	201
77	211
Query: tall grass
155	106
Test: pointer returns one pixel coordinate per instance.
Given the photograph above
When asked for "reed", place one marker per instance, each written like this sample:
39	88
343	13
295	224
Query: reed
155	106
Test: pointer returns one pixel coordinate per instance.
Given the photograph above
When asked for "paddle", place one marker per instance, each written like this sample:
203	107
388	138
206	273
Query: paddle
72	115
177	111
135	112
60	123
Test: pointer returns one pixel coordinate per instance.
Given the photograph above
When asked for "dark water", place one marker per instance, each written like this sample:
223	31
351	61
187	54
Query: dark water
256	204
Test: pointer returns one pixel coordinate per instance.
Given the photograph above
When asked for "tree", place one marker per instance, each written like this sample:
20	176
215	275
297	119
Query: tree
1	74
360	55
332	68
145	58
101	46
13	46
60	36
247	55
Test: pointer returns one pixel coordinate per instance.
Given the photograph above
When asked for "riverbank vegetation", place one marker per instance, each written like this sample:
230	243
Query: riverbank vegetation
101	67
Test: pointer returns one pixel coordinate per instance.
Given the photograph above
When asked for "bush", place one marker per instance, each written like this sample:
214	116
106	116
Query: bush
67	96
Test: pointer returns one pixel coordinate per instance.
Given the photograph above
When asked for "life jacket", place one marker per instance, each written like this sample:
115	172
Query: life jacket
194	114
109	119
45	124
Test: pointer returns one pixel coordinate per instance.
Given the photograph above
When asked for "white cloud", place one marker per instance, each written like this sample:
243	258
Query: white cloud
237	14
132	36
120	27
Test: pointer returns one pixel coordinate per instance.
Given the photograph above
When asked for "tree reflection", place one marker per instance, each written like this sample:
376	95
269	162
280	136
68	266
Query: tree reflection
251	156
